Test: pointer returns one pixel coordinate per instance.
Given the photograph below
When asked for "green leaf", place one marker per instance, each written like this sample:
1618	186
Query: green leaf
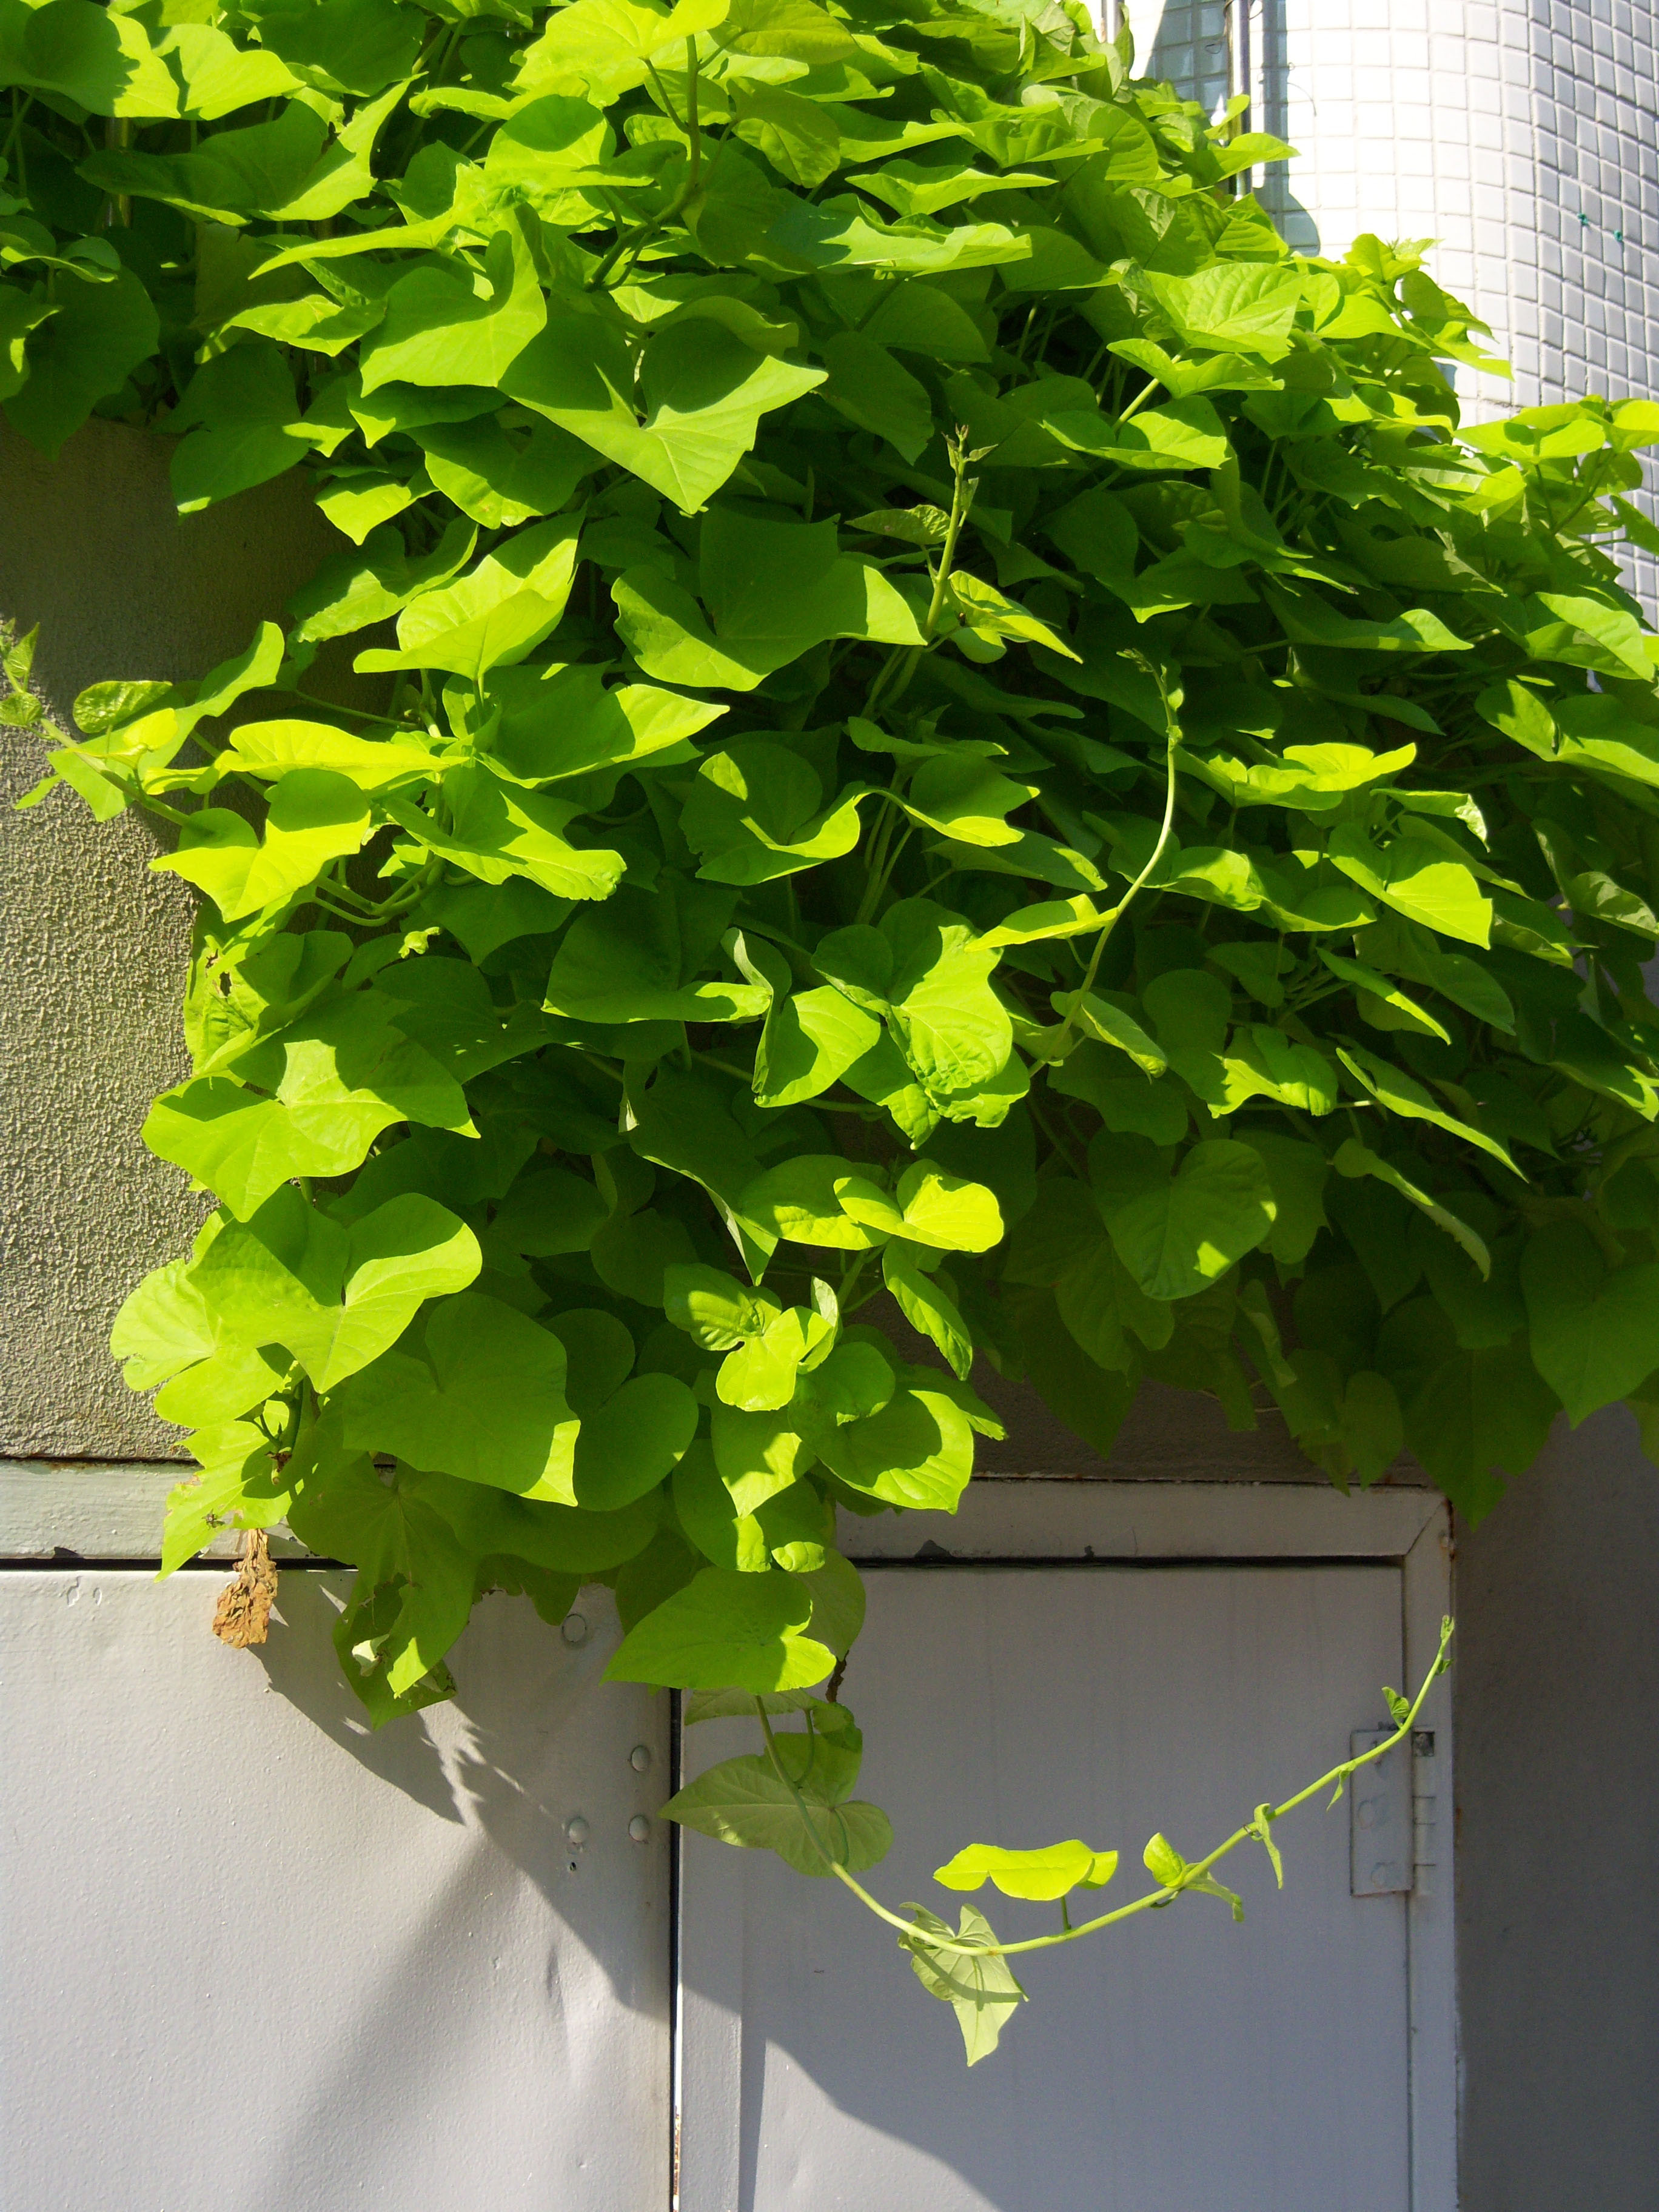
352	590
1187	434
103	63
1595	1329
868	386
1477	1415
811	1040
1241	307
414	1590
1308	620
162	1326
1353	1158
637	960
438	330
608	44
1383	1003
315	817
1417	880
702	390
748	1631
716	1310
92	340
495	833
557	1538
244	426
1262	1829
241	1485
478	1393
1297	1172
1100	1018
335	1298
285	170
1263	1062
496	612
759	1375
755	813
1098	1300
270	749
840	235
771	590
344	1076
926	972
980	1987
1164	1862
944	1210
633	1441
1401	1095
705	1511
1043	1874
743	1801
350	46
802	1202
835	1586
498	480
563	721
1091	1402
796	136
967	800
918	1451
929	1309
1182	1231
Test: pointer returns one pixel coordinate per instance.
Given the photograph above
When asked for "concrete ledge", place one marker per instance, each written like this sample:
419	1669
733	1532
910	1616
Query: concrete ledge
70	1509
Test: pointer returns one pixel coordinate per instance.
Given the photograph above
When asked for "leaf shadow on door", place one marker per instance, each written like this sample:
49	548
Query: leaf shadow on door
544	1889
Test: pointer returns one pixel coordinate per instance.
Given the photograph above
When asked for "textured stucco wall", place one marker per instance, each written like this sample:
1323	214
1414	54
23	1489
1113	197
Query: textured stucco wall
91	549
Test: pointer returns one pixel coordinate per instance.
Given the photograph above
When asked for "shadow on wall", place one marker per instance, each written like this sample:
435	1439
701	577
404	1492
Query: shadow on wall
510	1754
535	1741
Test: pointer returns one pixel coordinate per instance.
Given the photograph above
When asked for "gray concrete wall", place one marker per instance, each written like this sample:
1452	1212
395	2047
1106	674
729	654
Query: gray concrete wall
1557	1690
92	550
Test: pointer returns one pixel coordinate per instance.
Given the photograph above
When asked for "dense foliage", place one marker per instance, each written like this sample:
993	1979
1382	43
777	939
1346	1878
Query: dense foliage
941	724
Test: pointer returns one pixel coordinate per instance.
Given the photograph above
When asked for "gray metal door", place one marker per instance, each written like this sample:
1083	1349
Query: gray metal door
260	1959
1181	2064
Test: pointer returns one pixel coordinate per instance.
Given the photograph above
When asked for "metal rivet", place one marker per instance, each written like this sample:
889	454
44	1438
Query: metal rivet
575	1630
576	1829
639	1828
640	1758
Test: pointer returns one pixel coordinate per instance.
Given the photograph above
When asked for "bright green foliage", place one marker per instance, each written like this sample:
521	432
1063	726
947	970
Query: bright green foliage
943	726
1051	1872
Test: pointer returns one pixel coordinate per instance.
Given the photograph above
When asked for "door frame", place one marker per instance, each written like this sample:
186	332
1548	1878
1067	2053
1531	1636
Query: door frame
1033	1520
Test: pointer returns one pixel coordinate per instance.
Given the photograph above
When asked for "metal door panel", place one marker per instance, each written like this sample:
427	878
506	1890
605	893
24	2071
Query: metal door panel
1181	2064
258	1959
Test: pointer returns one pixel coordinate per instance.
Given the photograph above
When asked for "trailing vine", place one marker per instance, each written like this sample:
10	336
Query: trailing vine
943	731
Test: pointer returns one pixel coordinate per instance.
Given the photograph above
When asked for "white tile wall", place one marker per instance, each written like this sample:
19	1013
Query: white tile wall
1185	41
1521	135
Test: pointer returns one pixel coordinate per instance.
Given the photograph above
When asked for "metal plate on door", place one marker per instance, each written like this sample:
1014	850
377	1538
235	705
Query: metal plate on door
1380	1818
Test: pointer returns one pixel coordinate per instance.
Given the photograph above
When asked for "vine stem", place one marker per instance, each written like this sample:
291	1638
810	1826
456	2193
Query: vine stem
634	241
1124	903
901	664
1254	1829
